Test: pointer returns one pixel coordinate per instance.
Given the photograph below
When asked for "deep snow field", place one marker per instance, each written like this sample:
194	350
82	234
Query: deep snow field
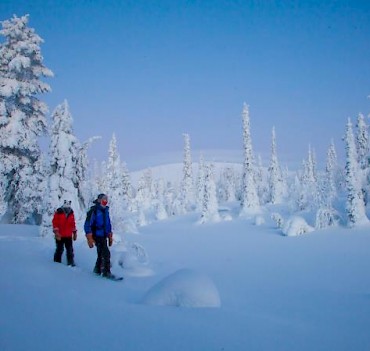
266	291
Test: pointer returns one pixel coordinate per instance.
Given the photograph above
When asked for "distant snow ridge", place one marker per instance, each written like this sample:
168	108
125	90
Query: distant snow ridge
184	288
296	226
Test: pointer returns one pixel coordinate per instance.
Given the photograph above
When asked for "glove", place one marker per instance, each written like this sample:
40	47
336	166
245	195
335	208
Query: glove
110	239
74	235
56	234
90	240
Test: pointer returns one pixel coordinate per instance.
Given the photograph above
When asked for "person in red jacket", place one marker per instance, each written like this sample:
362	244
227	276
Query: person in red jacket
64	228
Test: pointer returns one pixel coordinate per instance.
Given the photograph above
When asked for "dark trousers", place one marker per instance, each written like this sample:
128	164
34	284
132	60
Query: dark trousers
103	261
60	244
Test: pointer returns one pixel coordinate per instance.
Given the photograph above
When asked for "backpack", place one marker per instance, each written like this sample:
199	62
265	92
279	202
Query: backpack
88	217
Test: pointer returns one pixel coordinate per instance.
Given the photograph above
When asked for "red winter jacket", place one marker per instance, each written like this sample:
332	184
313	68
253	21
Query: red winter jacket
64	223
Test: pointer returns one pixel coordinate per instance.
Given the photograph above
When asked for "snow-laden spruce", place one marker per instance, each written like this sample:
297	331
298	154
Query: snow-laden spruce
187	190
62	172
250	202
276	182
210	203
355	206
22	120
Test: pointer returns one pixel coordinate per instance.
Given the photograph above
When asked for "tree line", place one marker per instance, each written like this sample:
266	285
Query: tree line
33	184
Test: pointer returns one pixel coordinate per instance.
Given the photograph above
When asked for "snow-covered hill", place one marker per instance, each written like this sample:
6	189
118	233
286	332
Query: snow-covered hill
310	292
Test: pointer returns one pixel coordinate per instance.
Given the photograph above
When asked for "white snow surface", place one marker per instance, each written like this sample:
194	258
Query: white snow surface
310	292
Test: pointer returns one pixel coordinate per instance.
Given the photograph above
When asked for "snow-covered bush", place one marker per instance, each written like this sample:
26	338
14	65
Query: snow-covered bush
278	219
296	226
326	217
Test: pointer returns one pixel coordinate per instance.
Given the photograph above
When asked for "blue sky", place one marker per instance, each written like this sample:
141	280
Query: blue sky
151	70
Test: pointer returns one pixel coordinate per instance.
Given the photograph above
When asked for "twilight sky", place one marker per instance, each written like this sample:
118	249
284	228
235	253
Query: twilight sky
151	70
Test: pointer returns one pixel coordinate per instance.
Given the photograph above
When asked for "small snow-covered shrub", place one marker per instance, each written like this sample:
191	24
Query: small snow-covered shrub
326	217
132	258
296	226
278	219
184	288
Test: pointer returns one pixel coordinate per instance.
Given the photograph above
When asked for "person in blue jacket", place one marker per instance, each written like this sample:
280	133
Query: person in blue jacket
98	231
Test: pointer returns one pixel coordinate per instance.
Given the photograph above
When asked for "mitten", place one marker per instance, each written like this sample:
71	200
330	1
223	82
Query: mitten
110	239
90	240
74	235
56	233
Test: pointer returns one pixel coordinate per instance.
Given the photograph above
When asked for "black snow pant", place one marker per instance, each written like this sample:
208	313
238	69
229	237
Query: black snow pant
60	244
103	261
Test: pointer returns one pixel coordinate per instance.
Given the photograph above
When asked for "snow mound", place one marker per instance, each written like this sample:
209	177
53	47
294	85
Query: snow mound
184	288
296	226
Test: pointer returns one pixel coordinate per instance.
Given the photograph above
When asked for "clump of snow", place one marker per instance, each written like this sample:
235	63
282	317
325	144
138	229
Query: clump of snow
296	225
184	288
132	258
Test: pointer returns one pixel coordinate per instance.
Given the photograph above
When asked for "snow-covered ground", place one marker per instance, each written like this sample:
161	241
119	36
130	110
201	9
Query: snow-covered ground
266	291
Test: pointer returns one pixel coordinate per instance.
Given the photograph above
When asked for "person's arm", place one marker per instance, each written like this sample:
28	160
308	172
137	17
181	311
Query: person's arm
109	229
88	231
74	229
55	223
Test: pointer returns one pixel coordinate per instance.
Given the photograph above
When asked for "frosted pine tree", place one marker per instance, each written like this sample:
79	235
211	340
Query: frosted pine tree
159	201
127	191
229	184
309	195
276	182
63	153
362	146
250	202
114	185
86	187
187	191
362	142
326	215
355	206
200	183
22	118
210	203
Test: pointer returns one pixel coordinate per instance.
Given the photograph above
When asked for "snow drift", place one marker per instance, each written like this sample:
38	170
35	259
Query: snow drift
184	288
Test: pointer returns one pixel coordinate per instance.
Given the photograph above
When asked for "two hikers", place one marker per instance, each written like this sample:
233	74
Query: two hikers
64	229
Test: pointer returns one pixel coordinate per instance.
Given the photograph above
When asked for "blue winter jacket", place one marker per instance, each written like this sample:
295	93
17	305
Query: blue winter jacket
99	223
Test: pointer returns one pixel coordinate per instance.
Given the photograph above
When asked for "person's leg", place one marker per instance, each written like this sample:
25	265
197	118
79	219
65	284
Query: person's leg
99	249
69	248
106	258
58	251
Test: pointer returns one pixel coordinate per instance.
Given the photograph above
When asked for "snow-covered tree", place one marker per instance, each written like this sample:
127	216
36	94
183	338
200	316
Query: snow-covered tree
307	193
114	184
250	201
86	187
362	142
159	201
127	191
228	184
200	183
276	182
210	203
187	191
355	206
63	155
22	118
326	215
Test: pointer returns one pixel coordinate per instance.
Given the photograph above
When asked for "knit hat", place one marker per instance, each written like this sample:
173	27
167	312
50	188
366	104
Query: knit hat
101	196
66	204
